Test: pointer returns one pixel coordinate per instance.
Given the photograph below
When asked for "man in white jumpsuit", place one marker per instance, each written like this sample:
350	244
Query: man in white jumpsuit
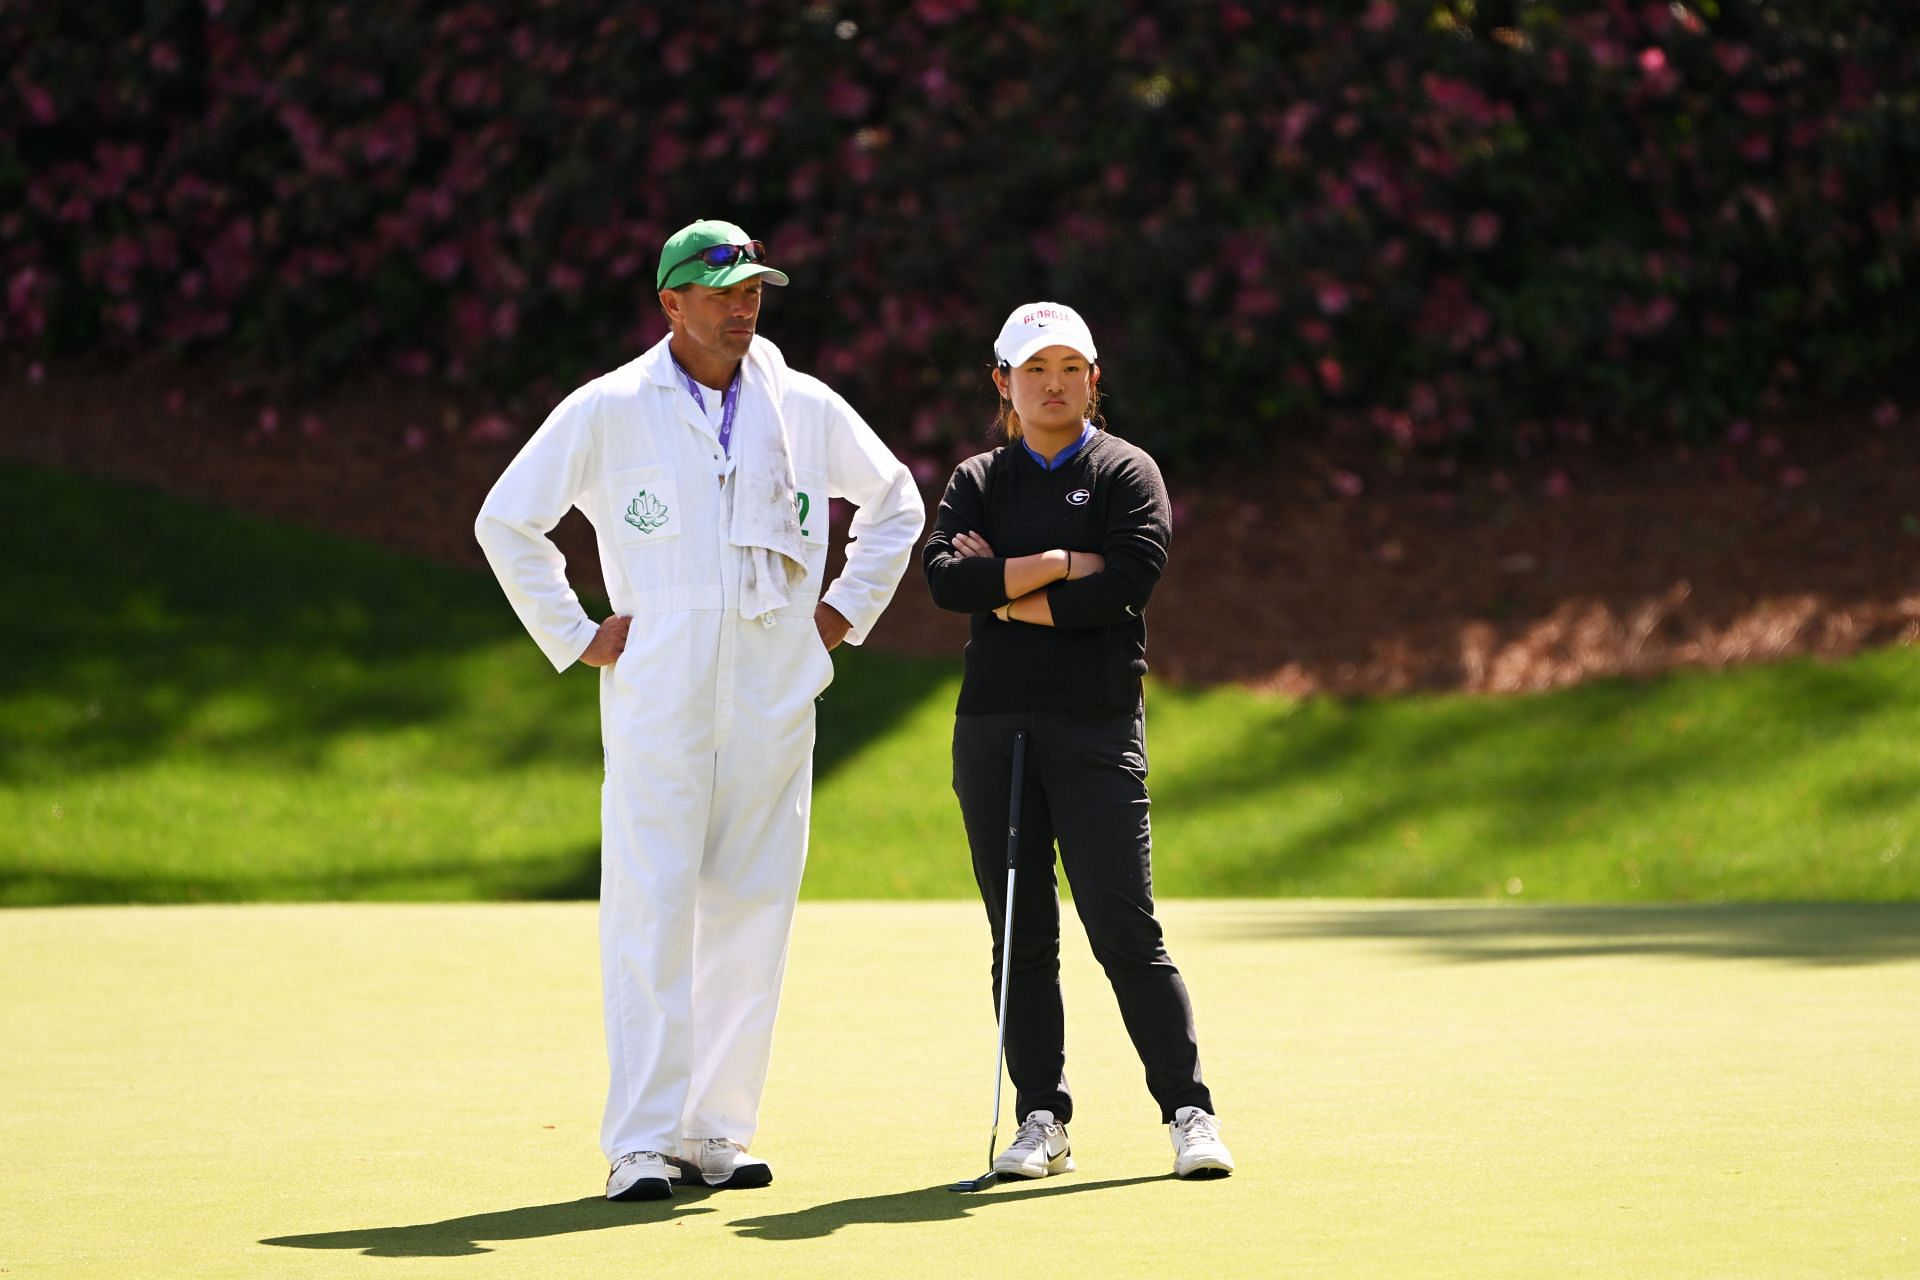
705	467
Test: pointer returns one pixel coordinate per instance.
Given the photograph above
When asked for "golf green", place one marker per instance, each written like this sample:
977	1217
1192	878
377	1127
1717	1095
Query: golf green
1410	1090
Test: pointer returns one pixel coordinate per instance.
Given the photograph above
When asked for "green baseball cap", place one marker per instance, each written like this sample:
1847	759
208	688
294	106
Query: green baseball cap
698	254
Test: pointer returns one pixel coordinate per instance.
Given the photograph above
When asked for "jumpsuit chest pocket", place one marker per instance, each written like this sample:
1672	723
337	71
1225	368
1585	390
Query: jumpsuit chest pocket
645	502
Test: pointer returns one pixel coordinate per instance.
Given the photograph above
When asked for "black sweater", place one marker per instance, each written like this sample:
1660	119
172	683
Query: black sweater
1108	498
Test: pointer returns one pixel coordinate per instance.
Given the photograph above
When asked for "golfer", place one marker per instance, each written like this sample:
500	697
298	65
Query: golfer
1053	543
705	467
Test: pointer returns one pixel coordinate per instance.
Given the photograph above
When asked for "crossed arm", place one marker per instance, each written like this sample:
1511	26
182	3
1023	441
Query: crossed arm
1029	576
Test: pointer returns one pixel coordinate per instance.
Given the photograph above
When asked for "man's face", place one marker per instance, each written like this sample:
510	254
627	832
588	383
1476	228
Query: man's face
717	323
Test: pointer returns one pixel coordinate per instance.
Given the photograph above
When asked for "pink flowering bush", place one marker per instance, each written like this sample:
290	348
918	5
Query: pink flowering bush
1451	224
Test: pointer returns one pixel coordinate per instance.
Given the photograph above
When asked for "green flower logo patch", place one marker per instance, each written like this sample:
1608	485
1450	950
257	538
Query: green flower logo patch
646	512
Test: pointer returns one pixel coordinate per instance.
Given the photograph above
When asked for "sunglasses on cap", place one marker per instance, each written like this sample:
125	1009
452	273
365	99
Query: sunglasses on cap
722	255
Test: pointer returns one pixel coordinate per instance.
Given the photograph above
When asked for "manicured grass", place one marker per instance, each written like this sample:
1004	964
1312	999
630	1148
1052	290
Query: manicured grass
1410	1090
198	706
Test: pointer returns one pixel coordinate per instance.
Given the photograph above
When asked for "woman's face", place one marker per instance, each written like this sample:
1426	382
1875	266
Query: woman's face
1050	390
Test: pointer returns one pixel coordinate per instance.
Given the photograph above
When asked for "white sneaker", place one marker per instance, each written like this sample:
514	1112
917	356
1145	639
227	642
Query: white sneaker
1197	1149
1038	1149
641	1175
720	1163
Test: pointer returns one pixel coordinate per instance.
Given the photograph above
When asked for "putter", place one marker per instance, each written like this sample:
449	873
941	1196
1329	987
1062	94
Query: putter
988	1178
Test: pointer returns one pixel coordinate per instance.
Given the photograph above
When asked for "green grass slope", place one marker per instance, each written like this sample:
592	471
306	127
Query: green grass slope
199	706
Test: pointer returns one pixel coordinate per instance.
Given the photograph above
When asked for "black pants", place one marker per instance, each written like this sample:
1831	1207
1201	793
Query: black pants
1085	786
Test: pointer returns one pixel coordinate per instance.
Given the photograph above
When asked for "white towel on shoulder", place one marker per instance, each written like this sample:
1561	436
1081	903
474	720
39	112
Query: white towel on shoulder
766	523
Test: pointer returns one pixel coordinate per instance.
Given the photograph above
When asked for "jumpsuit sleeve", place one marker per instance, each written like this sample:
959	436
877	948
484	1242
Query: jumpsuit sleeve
962	584
1138	531
887	519
536	489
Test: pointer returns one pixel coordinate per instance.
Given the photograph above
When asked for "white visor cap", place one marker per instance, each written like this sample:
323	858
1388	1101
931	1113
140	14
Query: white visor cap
1039	325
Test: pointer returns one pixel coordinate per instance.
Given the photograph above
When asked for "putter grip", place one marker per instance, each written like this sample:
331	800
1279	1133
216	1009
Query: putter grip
1013	804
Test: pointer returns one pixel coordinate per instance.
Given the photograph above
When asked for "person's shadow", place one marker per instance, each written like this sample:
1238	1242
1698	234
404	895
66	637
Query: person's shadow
461	1237
938	1203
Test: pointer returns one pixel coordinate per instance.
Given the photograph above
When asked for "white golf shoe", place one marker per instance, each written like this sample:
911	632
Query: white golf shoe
641	1175
1038	1149
1197	1149
722	1164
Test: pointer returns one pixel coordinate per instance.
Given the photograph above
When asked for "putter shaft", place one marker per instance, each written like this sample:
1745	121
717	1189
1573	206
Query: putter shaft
1006	956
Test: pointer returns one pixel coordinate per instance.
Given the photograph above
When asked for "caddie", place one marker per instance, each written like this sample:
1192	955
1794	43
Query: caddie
705	467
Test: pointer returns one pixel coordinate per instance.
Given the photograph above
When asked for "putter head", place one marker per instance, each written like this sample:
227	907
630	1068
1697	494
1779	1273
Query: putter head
980	1183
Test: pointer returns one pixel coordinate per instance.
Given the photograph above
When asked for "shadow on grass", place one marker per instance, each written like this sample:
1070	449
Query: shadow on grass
1617	758
149	611
165	631
570	876
928	1204
461	1237
1789	933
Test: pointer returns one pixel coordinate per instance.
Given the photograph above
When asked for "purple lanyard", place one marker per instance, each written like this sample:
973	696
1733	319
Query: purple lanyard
728	403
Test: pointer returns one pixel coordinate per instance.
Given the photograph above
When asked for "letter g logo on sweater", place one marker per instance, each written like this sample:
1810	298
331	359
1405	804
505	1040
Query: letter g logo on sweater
1080	497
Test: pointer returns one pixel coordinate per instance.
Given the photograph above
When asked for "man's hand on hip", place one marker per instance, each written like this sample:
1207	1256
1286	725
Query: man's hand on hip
832	627
608	643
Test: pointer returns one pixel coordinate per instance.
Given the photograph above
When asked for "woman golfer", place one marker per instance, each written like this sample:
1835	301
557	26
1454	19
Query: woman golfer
1053	543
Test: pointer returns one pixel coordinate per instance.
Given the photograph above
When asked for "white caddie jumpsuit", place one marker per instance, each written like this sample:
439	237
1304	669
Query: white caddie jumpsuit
707	717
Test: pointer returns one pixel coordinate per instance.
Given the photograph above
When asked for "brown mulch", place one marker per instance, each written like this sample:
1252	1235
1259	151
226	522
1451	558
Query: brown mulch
1524	580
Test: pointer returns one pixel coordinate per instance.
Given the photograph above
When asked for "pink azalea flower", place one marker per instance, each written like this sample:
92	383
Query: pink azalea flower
1659	78
1256	301
21	289
40	104
848	100
1459	98
1295	121
938	13
442	262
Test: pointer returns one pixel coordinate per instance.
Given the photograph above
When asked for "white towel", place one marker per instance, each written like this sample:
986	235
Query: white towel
766	523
